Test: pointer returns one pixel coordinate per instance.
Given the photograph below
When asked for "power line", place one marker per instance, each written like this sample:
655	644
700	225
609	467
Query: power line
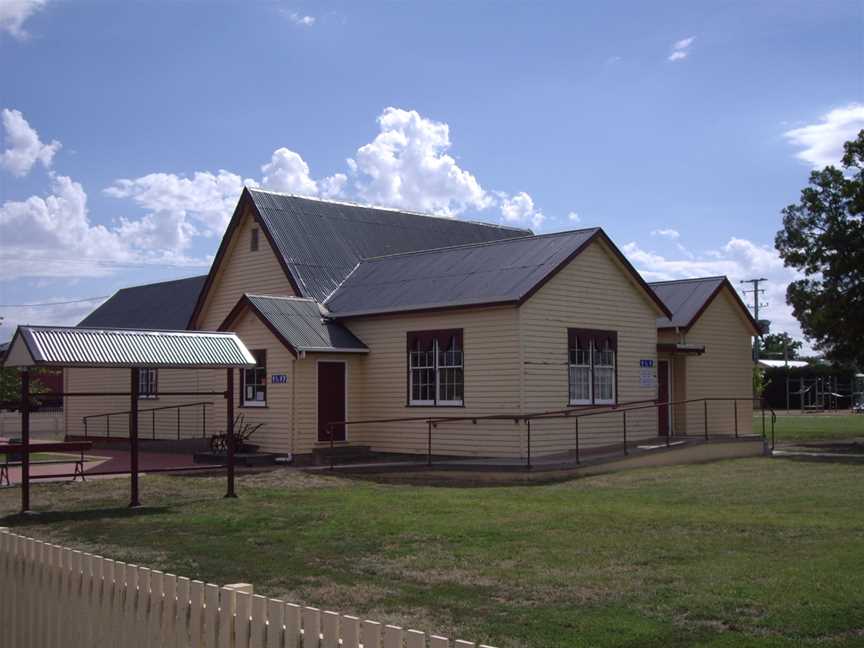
59	303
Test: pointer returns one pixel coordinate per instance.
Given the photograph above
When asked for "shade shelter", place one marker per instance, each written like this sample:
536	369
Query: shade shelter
135	349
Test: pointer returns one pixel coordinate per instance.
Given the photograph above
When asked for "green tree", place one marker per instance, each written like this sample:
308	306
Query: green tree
772	346
823	237
10	385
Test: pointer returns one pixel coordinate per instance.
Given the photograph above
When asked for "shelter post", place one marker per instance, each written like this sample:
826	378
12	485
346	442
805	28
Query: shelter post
133	437
25	441
229	429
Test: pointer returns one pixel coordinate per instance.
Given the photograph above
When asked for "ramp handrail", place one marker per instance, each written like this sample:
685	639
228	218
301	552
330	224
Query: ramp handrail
202	404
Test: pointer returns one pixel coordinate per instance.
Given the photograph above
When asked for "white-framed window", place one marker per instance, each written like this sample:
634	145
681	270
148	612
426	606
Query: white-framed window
592	367
255	381
148	383
436	370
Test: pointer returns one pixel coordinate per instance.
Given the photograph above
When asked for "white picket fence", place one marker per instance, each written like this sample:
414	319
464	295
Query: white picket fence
53	597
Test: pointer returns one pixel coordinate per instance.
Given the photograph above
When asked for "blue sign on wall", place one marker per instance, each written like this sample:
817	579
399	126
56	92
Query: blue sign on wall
646	363
277	379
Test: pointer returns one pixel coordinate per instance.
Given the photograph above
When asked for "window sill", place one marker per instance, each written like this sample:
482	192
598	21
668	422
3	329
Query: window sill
254	406
436	406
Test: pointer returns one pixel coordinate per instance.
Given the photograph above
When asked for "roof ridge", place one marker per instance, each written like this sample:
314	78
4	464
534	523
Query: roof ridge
689	279
162	283
289	297
409	212
479	244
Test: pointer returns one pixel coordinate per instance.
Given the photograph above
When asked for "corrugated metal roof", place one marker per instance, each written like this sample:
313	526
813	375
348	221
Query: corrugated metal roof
685	298
322	241
163	305
501	271
302	324
85	347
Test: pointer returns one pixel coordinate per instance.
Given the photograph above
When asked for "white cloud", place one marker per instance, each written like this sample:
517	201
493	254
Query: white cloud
407	166
670	234
573	217
179	207
23	146
14	13
738	259
61	314
520	209
53	235
822	143
288	172
299	19
681	48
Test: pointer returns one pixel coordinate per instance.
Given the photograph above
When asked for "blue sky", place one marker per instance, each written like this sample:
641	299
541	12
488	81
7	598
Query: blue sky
681	128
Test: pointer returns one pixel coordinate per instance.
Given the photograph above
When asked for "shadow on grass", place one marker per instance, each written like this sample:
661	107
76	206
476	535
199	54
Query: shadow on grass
81	515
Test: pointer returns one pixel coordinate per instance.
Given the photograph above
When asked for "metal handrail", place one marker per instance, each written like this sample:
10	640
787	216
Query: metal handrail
202	404
574	413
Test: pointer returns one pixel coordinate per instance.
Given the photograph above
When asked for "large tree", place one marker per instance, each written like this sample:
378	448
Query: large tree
773	346
823	237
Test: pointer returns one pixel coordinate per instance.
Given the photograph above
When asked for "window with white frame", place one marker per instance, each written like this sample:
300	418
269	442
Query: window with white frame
436	371
255	381
148	381
592	367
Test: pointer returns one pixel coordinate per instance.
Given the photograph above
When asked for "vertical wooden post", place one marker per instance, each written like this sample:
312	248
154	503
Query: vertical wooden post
229	430
705	403
134	500
429	442
625	431
528	423
576	421
736	417
25	440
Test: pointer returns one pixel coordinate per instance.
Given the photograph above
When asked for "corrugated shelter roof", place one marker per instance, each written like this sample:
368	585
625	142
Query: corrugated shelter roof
300	324
497	272
687	299
163	305
321	241
65	346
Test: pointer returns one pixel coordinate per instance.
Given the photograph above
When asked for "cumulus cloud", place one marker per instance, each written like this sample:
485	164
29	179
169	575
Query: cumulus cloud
520	209
14	13
407	165
681	49
670	234
738	259
288	172
821	143
299	19
23	146
573	217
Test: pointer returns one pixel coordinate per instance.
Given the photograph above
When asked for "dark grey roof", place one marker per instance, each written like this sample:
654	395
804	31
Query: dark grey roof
165	305
686	298
303	326
322	241
501	271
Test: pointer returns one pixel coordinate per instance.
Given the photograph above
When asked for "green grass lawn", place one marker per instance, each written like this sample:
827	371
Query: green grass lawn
802	427
750	552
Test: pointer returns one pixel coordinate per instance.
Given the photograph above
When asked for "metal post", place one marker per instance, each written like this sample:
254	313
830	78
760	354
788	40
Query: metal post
25	440
762	406
576	420
134	500
85	427
528	422
108	426
429	442
705	403
625	431
178	423
229	430
735	402
332	446
203	421
153	424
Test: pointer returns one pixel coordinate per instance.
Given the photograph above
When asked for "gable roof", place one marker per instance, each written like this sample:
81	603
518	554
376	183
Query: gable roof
299	323
499	272
319	242
163	305
688	299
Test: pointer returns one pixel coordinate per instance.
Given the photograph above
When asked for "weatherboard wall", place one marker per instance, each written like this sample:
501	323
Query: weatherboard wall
593	291
242	271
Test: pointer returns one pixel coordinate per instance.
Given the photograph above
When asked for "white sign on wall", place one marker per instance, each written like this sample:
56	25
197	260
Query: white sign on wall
647	374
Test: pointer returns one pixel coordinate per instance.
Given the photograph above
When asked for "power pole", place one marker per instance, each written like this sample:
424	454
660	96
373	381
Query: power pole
757	291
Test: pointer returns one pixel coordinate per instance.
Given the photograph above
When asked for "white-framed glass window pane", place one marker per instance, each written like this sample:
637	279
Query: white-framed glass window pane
255	381
147	382
580	374
604	375
422	375
451	374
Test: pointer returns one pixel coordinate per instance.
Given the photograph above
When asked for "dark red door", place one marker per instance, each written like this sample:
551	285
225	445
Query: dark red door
331	399
663	397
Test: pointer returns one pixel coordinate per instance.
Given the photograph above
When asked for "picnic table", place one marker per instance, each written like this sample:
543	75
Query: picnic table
12	449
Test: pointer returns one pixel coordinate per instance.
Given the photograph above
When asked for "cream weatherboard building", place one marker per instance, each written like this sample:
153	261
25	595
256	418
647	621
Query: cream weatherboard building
356	313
